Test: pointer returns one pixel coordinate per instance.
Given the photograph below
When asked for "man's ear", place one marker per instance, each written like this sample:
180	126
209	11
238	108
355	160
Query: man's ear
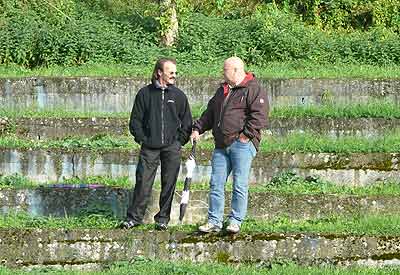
159	72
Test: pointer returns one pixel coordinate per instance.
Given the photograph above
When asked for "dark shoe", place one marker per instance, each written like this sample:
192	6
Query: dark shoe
161	226
128	225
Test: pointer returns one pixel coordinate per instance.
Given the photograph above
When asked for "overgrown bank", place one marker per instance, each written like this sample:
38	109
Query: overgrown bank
284	183
296	142
69	33
156	267
372	109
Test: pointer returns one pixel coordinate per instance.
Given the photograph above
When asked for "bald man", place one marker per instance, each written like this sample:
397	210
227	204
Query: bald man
236	114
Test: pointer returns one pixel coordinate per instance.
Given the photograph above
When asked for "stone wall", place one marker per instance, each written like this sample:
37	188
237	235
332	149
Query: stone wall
48	128
343	169
117	94
74	201
91	248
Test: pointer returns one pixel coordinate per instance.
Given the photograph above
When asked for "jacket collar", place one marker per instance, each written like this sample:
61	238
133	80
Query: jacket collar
158	86
249	76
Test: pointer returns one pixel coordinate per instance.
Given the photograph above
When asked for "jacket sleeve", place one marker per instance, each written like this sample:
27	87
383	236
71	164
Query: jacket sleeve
186	123
206	120
136	122
257	113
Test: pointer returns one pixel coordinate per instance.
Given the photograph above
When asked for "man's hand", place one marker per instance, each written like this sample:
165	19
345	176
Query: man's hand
195	136
243	138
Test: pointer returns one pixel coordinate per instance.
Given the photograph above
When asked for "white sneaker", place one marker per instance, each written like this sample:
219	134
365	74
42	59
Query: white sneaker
209	227
233	228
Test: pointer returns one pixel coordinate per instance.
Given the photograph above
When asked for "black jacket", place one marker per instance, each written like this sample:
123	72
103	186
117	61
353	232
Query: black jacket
244	111
160	117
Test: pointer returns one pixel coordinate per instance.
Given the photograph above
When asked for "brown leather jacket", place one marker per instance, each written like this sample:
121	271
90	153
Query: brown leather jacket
244	110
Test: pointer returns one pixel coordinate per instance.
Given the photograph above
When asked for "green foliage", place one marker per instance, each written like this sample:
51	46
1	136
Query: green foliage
285	38
94	142
123	182
346	14
141	265
290	178
40	33
372	109
15	181
288	182
7	126
99	142
304	142
205	39
23	220
32	112
69	32
361	224
285	70
309	142
228	9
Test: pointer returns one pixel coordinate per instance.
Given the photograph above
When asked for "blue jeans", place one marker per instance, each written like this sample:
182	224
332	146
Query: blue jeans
237	159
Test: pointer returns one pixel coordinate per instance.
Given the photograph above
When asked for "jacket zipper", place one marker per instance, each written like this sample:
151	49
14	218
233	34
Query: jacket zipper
224	104
162	116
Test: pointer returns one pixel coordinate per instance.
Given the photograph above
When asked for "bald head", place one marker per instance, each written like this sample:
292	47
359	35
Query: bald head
234	72
236	62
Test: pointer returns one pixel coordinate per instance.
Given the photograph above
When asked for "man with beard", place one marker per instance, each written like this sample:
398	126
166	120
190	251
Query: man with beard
161	123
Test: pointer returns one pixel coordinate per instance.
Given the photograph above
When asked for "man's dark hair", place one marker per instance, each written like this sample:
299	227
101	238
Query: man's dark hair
160	66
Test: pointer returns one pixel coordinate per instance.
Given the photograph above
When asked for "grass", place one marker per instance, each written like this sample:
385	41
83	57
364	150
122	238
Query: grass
98	142
358	225
156	267
369	225
285	183
295	142
58	113
290	183
16	181
372	109
314	143
273	70
22	220
121	182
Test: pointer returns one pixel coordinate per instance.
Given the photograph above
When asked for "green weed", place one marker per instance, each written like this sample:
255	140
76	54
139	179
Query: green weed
156	267
296	142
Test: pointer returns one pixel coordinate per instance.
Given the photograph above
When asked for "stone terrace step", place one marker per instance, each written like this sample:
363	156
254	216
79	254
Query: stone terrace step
347	169
47	128
69	201
91	248
117	94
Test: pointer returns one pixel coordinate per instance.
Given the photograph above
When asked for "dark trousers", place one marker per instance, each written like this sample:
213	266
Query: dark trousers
149	159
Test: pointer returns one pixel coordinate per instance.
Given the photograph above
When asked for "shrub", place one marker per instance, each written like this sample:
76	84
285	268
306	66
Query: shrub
69	32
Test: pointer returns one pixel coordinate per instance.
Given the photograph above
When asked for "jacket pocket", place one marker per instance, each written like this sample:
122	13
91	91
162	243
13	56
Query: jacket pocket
239	100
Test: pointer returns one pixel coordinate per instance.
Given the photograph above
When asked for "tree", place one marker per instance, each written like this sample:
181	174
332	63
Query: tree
168	22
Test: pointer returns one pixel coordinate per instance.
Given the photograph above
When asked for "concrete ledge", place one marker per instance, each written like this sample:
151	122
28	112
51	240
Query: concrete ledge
346	169
22	248
61	202
48	128
117	94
